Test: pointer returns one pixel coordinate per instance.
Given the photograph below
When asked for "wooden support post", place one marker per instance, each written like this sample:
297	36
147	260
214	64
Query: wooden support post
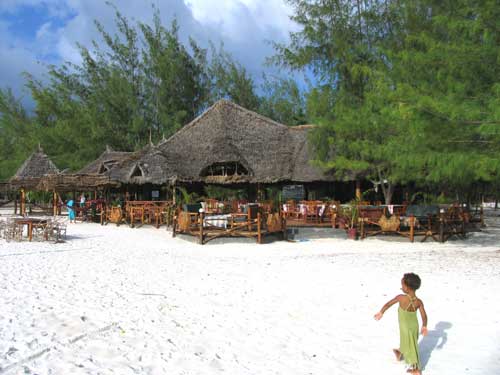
95	194
412	228
174	223
441	227
22	208
54	203
285	234
358	189
201	227
15	205
259	234
173	194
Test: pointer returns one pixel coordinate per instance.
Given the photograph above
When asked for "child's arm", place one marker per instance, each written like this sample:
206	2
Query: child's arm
379	315
423	314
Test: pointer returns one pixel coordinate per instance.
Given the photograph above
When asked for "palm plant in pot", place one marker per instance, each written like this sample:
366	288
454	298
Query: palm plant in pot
351	215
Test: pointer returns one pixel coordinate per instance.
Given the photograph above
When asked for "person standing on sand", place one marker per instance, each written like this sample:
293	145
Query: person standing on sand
71	211
82	200
408	322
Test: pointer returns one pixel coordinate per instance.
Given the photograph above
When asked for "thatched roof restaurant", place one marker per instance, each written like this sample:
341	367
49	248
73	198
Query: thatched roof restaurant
226	145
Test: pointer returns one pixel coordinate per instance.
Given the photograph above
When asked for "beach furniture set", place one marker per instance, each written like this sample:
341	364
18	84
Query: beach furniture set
32	229
253	220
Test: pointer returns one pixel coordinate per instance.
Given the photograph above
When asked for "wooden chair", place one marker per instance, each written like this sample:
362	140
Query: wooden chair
312	212
187	219
113	214
248	218
369	219
212	206
13	231
266	207
426	220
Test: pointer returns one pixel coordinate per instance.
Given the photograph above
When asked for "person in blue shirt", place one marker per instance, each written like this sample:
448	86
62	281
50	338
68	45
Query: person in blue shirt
71	211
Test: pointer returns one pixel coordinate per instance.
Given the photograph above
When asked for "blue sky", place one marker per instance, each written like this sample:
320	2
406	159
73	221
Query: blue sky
34	33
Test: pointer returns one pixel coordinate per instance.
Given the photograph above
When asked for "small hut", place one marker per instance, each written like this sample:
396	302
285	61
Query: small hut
29	175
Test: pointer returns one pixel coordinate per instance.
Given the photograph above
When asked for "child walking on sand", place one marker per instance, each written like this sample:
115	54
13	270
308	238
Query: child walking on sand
408	323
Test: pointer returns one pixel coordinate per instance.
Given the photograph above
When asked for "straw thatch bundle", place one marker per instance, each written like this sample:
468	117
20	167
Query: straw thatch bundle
33	169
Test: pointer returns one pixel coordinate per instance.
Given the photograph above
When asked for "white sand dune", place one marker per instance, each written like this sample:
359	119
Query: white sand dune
116	300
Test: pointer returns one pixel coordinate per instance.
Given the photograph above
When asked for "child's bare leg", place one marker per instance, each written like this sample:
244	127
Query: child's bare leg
398	354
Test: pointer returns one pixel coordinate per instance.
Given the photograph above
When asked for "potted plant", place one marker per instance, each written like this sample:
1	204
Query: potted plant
352	215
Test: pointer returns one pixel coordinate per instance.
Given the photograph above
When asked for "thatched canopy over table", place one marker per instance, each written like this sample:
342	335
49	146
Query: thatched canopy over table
33	169
75	182
29	175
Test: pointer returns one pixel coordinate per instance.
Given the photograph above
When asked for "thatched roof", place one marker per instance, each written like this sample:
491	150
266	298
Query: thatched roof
302	168
75	182
34	168
227	133
148	165
105	162
227	144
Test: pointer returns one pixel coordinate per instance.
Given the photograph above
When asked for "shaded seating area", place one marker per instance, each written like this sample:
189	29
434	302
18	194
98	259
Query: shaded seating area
253	221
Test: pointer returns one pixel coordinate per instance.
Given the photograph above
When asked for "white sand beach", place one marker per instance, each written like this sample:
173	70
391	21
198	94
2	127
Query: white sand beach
116	300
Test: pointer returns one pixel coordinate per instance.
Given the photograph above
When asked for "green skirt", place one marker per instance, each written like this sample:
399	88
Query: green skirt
408	337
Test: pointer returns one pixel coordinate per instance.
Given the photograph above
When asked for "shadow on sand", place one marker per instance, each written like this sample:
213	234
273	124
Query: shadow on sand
435	339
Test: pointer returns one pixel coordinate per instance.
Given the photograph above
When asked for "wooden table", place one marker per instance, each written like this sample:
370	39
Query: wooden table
29	221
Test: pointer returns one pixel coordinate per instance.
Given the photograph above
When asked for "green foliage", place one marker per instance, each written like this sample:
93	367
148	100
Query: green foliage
225	193
409	90
283	101
17	134
187	197
230	80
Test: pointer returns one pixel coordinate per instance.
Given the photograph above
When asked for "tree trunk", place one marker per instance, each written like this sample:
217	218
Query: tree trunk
388	193
387	190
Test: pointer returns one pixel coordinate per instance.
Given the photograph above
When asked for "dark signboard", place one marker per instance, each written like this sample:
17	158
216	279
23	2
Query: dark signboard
295	192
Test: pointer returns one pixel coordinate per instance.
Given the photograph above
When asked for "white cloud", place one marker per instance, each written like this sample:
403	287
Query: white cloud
243	26
43	31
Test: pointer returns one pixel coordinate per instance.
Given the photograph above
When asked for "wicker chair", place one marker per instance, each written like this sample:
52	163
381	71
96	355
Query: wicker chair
13	231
